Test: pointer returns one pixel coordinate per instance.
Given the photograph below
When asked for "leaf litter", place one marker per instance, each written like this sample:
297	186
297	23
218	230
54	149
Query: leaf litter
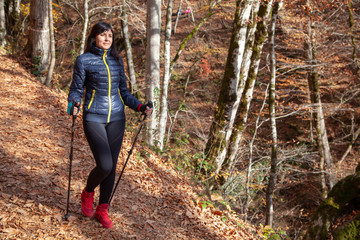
153	201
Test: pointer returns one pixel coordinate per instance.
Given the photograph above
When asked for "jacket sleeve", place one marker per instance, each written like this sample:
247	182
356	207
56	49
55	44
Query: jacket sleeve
77	86
126	96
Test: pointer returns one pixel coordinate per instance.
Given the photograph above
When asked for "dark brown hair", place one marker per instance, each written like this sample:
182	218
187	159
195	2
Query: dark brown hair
97	29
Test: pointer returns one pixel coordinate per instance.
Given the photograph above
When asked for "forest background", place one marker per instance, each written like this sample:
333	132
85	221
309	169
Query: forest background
316	92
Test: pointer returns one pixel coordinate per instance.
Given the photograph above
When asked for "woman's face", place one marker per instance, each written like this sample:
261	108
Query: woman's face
104	40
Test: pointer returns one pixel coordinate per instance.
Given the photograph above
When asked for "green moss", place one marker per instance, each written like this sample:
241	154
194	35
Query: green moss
339	201
330	202
350	231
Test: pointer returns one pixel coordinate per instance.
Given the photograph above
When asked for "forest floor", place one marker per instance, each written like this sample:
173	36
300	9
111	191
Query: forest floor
152	201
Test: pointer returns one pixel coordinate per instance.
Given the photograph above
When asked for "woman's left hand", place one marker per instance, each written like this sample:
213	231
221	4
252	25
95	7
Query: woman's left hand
148	111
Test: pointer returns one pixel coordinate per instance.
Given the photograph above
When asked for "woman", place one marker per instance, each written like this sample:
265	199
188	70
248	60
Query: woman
100	71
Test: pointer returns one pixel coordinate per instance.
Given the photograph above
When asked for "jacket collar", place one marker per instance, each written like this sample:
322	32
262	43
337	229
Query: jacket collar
99	51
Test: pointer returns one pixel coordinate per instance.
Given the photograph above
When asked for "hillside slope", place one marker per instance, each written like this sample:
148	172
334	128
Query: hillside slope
152	201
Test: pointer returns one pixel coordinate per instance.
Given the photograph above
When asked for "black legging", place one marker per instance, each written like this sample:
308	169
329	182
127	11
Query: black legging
105	142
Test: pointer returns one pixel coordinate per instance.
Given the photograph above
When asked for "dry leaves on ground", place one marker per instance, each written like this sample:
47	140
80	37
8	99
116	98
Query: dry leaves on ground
152	202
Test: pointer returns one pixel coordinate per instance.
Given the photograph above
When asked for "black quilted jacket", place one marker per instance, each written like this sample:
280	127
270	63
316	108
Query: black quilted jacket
103	78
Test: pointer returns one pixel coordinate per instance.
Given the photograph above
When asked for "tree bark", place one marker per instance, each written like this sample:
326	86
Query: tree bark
269	210
167	74
353	140
129	57
39	36
177	16
2	24
352	36
153	66
247	94
322	140
224	116
85	26
13	22
52	46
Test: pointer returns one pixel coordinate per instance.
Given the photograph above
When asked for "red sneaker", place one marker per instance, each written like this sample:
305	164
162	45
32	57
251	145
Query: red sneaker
102	215
87	200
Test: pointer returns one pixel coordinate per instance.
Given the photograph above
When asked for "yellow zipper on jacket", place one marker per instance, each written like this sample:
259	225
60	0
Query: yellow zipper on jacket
121	97
92	98
109	78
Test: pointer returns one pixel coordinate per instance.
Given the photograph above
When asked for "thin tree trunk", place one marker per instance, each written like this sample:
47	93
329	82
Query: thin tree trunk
352	35
153	66
13	23
322	141
251	147
353	140
166	80
168	68
2	24
85	26
193	32
39	36
52	46
269	211
183	100
129	57
177	17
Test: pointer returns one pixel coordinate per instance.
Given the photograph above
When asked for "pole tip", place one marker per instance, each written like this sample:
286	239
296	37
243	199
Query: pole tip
66	217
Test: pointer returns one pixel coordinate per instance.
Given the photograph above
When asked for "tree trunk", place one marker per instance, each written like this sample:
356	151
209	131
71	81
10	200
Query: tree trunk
167	74
164	112
269	211
322	141
177	16
353	39
247	94
129	57
52	46
250	163
85	26
39	36
224	116
353	140
13	23
153	66
2	24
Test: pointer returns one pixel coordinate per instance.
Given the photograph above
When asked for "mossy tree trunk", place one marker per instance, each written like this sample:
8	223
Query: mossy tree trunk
247	95
221	128
343	198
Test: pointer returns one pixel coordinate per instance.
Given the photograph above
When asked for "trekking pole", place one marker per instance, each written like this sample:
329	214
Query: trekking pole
149	104
71	157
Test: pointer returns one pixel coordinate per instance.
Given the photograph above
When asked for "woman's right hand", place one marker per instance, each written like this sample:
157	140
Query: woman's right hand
73	108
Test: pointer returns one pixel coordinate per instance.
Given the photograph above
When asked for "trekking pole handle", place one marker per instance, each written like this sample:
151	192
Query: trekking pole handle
72	109
148	104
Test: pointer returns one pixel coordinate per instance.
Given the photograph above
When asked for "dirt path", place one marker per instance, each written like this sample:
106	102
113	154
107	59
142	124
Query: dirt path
152	202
